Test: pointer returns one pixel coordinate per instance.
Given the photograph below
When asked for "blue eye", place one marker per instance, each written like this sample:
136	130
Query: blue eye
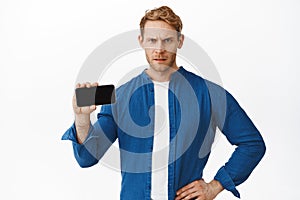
168	40
152	40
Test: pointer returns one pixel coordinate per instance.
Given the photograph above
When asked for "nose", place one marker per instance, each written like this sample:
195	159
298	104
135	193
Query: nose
159	47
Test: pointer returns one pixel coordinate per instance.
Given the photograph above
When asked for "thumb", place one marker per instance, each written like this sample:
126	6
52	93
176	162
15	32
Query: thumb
92	107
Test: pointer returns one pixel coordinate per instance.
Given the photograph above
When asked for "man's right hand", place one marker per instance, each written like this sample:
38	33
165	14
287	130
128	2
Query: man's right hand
82	114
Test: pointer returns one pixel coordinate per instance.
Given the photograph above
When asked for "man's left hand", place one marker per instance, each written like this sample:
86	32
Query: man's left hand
199	190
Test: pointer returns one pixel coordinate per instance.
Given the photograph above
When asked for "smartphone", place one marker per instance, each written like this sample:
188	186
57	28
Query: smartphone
100	95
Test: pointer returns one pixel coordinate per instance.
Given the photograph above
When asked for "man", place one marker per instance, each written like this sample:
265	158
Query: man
165	120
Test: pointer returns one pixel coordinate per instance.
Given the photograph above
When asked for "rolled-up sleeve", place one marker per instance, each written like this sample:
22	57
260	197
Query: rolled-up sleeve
100	137
240	131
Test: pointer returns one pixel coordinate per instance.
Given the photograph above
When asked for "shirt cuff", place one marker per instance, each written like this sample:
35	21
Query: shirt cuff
70	134
226	181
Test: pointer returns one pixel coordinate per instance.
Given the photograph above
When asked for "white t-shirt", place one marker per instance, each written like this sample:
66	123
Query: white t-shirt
160	153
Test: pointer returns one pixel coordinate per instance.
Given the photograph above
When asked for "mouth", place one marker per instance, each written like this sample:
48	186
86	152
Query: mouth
160	59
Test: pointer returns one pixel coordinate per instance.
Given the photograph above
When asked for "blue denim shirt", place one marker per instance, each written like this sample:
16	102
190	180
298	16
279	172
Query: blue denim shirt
196	108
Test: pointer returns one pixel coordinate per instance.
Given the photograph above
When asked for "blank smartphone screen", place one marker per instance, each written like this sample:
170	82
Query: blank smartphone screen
104	94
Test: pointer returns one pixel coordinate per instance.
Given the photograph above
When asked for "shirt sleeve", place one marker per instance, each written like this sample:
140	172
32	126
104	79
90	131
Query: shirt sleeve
239	130
101	136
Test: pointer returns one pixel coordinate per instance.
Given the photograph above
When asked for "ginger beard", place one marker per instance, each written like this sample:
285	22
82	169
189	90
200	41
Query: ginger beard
161	61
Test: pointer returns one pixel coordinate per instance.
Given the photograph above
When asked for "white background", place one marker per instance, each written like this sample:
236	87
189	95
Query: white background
254	45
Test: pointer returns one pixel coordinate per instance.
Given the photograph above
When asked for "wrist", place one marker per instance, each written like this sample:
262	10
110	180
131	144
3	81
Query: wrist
82	124
82	120
215	187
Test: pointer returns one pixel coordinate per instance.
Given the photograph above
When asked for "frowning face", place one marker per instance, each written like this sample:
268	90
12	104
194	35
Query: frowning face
160	42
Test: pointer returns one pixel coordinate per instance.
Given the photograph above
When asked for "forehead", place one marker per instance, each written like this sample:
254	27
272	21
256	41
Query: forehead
159	28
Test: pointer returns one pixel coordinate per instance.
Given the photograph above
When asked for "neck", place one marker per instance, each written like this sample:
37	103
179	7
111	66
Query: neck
161	76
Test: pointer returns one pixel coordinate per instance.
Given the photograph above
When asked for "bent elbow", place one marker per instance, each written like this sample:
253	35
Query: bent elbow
255	149
83	163
262	149
84	157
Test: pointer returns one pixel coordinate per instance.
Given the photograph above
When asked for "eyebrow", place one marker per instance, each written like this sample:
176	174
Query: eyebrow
164	38
168	38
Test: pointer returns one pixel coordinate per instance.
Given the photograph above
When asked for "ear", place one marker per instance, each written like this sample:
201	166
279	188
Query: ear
181	39
140	39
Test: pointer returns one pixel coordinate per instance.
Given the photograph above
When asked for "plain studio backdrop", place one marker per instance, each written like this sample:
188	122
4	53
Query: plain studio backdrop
43	44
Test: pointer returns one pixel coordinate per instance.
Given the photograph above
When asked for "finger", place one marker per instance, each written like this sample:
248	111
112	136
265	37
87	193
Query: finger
81	85
85	109
193	195
88	84
187	193
88	109
78	85
188	186
93	107
95	84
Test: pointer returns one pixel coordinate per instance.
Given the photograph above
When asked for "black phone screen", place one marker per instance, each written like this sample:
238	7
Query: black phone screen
104	94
